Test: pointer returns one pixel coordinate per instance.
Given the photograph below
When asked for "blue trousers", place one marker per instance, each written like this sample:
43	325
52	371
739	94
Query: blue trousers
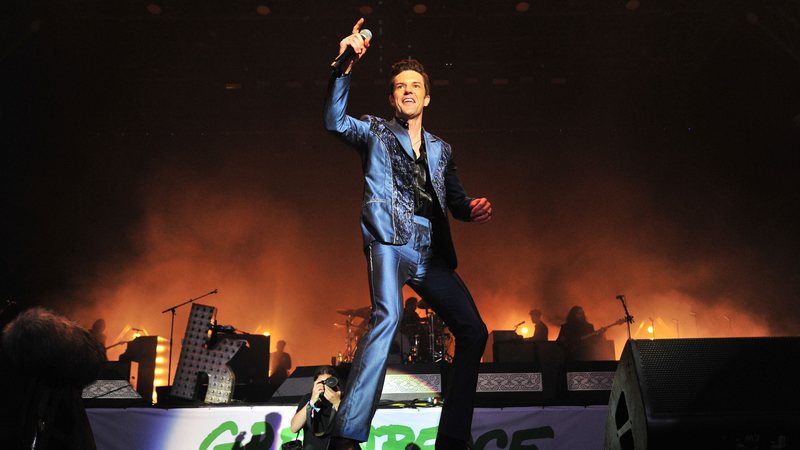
389	268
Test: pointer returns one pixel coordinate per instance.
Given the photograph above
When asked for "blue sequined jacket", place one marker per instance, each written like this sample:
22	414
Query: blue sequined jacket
387	160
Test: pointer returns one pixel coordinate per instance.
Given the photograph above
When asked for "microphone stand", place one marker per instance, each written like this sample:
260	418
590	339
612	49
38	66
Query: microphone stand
172	328
628	316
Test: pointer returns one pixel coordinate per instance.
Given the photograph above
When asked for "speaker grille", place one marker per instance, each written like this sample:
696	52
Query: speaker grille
736	375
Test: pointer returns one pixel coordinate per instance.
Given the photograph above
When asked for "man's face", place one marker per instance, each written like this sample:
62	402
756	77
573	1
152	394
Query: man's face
408	96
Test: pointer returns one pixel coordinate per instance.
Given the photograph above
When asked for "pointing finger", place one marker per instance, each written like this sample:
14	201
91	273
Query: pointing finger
357	26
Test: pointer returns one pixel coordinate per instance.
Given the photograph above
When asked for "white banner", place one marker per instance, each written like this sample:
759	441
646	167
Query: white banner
266	427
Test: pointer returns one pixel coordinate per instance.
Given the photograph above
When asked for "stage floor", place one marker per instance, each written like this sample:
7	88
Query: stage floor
266	427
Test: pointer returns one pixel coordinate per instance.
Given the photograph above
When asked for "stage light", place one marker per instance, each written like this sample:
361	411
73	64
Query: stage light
160	360
154	8
523	331
160	348
522	6
366	10
263	10
420	8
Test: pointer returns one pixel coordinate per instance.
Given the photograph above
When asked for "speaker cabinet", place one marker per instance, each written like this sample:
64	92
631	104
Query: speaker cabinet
496	337
251	362
733	393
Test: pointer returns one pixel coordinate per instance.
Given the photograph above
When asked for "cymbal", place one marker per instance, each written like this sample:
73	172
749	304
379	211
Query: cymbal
359	312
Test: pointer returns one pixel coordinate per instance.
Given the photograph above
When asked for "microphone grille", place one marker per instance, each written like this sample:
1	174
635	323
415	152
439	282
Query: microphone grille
366	34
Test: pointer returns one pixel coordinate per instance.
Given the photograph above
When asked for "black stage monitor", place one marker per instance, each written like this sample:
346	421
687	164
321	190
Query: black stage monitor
732	393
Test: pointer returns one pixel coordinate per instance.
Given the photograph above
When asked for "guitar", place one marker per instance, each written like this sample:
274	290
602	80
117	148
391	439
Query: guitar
602	330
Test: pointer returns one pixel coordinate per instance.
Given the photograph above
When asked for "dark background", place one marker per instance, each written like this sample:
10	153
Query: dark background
640	149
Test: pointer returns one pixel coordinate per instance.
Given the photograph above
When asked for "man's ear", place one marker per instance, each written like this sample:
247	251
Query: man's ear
391	100
427	100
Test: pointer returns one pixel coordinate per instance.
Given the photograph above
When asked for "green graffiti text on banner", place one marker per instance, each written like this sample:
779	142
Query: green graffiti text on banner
263	436
389	437
225	427
397	436
427	438
288	435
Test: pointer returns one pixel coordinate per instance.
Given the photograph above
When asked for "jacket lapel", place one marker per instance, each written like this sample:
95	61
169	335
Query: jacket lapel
402	136
433	147
434	152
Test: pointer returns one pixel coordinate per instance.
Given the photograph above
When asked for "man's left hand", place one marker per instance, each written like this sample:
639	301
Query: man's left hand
480	210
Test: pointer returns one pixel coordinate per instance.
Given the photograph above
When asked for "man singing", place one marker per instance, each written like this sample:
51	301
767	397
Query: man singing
409	178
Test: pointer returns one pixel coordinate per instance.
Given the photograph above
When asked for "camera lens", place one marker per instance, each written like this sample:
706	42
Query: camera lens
332	382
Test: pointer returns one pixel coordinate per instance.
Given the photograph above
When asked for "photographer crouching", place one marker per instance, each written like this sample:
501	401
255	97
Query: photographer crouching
317	410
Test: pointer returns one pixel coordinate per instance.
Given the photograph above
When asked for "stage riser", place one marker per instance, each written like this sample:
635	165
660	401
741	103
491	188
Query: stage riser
499	384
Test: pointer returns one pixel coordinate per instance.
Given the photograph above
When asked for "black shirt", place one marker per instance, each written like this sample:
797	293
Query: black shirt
423	188
316	430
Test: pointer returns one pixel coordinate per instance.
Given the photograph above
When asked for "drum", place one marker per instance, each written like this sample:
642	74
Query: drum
432	340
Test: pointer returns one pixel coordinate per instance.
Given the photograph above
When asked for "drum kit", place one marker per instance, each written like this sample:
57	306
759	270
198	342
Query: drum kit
429	338
353	331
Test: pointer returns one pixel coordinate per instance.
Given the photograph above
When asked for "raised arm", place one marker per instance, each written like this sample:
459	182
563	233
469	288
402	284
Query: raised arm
354	132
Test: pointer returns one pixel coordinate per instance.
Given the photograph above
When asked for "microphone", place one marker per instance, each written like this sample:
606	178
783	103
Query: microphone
621	298
517	325
349	53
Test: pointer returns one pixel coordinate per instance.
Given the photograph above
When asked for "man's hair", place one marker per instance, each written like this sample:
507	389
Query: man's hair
409	64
